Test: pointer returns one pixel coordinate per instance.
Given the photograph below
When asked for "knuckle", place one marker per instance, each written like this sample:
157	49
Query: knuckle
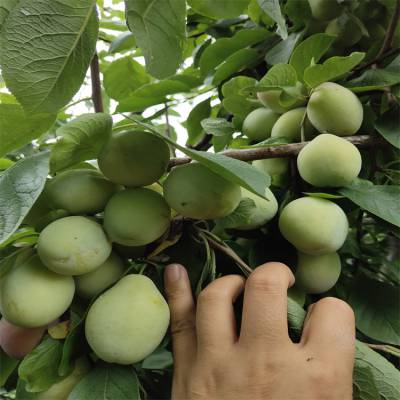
182	326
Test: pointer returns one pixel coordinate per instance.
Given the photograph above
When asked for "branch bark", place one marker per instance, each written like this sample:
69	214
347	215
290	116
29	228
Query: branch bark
388	41
286	150
96	84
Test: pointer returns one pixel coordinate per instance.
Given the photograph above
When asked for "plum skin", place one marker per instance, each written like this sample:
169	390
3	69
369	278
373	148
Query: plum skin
258	124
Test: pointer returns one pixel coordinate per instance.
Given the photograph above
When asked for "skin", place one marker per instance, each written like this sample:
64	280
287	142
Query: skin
258	124
276	168
213	362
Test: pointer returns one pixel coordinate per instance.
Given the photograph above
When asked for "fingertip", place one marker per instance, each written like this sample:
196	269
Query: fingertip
279	267
173	272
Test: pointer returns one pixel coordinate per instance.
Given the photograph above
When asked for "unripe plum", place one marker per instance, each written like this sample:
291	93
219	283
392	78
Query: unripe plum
258	124
347	33
195	191
134	158
270	99
314	225
91	284
17	342
73	245
136	217
33	296
264	210
317	274
80	191
127	322
335	109
329	161
276	168
323	10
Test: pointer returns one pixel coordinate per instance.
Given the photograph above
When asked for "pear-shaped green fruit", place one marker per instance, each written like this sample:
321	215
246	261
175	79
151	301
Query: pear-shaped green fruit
134	158
80	191
314	225
335	109
91	284
62	389
324	10
317	274
346	31
195	191
127	322
136	217
271	98
329	161
32	296
73	245
262	211
258	124
276	168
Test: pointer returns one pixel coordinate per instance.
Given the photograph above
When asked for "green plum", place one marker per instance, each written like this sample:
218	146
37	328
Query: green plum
136	217
91	284
73	245
314	225
276	168
335	109
258	124
134	158
317	274
80	191
324	10
33	296
270	99
329	161
127	322
195	191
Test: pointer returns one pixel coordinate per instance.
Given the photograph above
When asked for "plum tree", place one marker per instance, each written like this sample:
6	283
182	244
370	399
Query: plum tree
330	161
136	217
16	341
276	168
314	225
270	99
335	109
80	191
127	322
33	296
91	284
258	124
73	245
263	211
195	191
289	125
324	10
134	158
347	32
317	274
62	389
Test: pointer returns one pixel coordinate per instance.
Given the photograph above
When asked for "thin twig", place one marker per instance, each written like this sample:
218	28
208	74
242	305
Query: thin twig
96	84
74	103
168	127
388	41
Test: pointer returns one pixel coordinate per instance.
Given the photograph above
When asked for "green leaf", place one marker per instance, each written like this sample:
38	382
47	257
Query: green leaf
39	368
219	8
374	79
160	31
235	85
80	140
193	122
5	8
134	76
380	200
240	105
45	71
280	75
18	128
217	126
7	363
273	9
323	195
311	49
20	186
107	381
159	359
281	52
240	216
388	126
376	308
125	41
221	49
332	69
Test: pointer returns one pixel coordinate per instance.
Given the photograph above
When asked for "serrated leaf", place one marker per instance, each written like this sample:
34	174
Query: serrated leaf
217	126
18	128
312	48
20	186
388	126
125	41
160	32
280	75
332	69
45	71
273	9
80	140
219	8
193	122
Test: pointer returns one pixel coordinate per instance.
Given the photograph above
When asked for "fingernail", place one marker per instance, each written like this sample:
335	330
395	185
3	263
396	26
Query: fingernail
172	272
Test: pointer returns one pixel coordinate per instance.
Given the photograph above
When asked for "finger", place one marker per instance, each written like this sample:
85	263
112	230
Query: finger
329	332
215	319
265	305
181	304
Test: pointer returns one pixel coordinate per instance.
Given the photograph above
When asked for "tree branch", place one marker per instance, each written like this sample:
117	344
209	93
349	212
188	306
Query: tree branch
388	41
286	150
96	84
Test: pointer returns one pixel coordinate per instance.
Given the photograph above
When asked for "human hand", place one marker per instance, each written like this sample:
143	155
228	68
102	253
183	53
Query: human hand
213	363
